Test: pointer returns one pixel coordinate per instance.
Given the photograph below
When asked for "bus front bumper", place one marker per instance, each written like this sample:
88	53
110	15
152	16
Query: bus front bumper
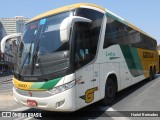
64	101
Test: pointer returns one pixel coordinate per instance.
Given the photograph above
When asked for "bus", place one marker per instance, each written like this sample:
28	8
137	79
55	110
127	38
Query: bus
76	55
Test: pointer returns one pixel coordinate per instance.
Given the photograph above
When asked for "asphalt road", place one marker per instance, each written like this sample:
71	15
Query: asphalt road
140	97
143	96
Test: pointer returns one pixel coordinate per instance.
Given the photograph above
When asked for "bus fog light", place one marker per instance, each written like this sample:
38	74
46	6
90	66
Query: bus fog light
62	88
58	104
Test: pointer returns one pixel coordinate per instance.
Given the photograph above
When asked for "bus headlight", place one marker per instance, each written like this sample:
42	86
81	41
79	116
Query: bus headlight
62	88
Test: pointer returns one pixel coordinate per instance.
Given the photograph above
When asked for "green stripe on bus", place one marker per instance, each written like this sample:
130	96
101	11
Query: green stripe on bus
132	59
116	18
37	85
112	58
137	60
46	85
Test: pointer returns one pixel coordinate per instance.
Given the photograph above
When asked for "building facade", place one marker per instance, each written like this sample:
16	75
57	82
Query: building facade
14	25
2	34
2	31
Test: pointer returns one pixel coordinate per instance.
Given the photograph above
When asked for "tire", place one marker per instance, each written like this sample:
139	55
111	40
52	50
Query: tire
110	91
151	74
154	71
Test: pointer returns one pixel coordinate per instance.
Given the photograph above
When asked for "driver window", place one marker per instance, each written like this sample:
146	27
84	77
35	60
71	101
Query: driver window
83	51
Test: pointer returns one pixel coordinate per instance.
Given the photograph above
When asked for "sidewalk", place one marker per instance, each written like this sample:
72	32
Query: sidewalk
6	78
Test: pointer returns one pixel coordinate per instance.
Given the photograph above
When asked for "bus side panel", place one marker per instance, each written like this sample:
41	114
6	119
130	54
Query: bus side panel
134	64
126	77
109	60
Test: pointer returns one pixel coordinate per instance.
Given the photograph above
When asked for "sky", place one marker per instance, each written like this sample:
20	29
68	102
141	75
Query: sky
145	14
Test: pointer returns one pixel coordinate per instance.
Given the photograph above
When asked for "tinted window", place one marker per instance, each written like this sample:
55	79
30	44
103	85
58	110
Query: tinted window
83	48
95	27
50	37
148	43
42	39
87	35
119	33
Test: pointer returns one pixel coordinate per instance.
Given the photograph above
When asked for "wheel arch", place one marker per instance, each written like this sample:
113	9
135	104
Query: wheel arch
113	76
110	77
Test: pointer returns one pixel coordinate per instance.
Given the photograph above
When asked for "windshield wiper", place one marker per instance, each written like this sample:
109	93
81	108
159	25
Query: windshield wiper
34	60
41	68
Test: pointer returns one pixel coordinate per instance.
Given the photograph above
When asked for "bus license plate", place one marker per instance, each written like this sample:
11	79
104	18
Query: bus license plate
31	103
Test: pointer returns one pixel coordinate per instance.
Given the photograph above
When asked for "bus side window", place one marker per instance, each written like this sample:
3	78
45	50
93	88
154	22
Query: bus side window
119	33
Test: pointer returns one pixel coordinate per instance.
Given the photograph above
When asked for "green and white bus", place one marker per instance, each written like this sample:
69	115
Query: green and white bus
79	54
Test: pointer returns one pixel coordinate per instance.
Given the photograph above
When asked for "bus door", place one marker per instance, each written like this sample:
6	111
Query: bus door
96	81
86	70
87	89
84	86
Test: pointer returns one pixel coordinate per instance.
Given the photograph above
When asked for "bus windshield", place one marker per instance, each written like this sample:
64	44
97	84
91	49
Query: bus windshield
42	51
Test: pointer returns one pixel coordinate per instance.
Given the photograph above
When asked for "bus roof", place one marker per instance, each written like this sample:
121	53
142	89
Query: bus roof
65	8
74	6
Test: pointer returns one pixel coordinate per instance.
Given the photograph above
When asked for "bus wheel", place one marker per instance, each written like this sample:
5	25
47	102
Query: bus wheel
151	74
110	91
154	71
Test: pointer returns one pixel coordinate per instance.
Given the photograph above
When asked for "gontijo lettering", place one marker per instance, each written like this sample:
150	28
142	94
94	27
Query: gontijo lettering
148	55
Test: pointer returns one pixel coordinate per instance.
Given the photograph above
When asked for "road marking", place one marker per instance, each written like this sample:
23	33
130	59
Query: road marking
120	118
118	113
21	109
21	118
28	118
24	118
117	118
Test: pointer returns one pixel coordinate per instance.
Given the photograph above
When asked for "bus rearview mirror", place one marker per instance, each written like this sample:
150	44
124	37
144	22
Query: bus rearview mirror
67	23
